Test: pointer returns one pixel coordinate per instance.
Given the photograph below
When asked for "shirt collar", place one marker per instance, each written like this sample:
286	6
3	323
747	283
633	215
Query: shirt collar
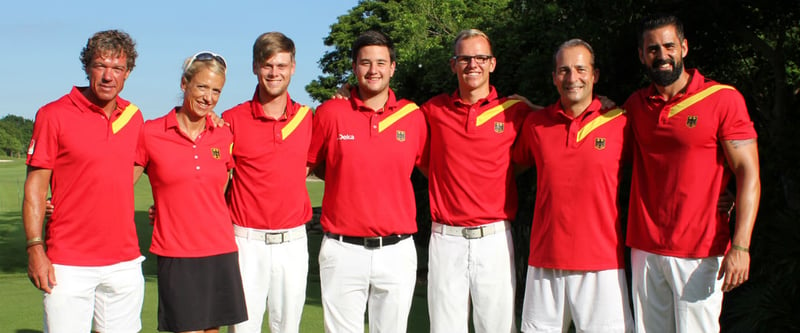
557	110
696	81
455	98
358	104
171	120
258	112
77	97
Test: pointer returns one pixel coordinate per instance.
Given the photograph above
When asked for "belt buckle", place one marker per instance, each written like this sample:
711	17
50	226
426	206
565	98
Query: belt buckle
469	233
275	238
373	242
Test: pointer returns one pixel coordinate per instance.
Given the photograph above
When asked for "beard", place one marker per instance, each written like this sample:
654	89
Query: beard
664	78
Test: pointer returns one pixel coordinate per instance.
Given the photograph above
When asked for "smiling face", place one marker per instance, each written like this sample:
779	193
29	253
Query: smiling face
662	54
201	93
274	75
472	74
373	68
107	74
575	76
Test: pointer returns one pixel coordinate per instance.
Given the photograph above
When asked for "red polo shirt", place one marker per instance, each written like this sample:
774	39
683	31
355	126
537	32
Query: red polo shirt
91	157
368	157
576	221
679	167
188	179
268	189
471	181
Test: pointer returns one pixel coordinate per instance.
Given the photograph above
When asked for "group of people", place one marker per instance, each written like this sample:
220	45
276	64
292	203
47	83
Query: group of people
684	135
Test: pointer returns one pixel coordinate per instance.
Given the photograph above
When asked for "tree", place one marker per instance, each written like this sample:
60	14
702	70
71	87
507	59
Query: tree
753	45
15	133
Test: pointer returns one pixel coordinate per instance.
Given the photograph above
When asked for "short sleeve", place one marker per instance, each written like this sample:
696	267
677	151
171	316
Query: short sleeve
735	123
522	153
141	158
43	148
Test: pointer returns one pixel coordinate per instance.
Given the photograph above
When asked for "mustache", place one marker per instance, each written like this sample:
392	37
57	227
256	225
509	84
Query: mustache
658	62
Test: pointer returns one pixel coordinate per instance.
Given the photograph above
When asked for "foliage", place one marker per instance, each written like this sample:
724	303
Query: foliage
15	133
753	45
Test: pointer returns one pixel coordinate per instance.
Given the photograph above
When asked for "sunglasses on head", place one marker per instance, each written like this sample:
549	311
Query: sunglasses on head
206	56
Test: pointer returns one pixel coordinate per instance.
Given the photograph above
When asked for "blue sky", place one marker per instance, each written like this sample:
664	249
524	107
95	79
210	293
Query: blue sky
42	40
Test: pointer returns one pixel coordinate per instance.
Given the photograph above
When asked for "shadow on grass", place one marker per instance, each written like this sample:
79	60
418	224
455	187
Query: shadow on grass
12	242
28	331
417	318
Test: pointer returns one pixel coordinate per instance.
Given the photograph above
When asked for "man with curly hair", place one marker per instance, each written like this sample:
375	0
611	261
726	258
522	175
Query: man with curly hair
88	264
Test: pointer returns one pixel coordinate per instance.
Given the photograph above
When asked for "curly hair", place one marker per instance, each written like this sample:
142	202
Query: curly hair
109	42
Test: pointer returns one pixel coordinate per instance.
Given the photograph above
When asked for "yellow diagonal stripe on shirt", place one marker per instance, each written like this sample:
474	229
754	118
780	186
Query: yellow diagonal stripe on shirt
684	104
124	118
488	114
597	122
292	125
404	111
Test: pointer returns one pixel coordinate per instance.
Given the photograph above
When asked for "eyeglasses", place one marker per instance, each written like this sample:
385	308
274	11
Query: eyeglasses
206	56
480	59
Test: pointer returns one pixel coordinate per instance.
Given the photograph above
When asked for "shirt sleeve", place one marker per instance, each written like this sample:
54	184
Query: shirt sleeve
735	123
423	158
43	148
522	152
141	158
319	137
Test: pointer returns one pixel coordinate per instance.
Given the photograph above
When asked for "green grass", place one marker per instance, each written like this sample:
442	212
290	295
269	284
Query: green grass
21	306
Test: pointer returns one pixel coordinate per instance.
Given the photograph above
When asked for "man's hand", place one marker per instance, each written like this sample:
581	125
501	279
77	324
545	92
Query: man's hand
40	270
343	92
735	268
726	202
218	122
48	209
606	102
151	214
527	101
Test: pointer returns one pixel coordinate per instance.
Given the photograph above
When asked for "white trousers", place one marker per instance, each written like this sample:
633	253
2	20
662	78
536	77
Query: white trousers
675	294
108	297
478	270
274	277
596	301
353	277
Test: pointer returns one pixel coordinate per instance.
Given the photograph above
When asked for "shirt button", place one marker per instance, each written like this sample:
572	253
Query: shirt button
194	146
374	126
196	157
197	167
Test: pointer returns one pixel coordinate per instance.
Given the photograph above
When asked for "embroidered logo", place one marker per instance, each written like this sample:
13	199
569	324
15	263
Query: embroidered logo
347	137
31	146
499	127
215	153
600	143
401	136
691	121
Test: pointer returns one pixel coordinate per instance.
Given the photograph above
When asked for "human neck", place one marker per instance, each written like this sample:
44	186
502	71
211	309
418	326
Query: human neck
273	106
473	95
374	101
107	106
670	91
191	126
575	109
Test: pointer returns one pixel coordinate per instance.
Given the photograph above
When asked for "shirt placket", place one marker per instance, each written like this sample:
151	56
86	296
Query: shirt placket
472	118
277	133
374	121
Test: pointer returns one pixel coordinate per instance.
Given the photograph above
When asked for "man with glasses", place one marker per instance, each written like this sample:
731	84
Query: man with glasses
83	148
267	197
473	195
